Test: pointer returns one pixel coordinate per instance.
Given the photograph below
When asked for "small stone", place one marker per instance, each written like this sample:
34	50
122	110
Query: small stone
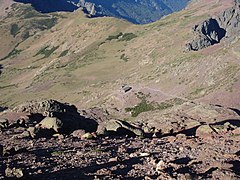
161	165
13	173
4	123
147	178
181	136
32	131
171	139
236	132
25	134
115	159
144	154
87	136
78	133
132	155
94	134
181	149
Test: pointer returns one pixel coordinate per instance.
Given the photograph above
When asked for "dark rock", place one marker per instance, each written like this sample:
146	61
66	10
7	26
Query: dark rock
1	150
126	88
63	118
2	108
50	108
230	21
208	33
225	26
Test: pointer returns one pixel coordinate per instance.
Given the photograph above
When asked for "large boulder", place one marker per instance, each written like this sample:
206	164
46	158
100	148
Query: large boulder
225	26
50	108
118	127
56	117
207	33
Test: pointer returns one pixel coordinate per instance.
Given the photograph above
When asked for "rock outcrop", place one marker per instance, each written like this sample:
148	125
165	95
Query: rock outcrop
57	116
207	33
225	26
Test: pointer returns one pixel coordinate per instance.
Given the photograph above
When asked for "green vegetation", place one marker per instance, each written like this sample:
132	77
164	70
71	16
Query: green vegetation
57	153
46	51
122	37
25	35
8	86
127	37
124	57
14	30
13	53
43	24
97	150
114	36
64	53
143	106
30	13
164	105
198	91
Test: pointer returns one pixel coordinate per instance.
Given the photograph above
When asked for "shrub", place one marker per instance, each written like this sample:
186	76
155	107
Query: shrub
127	37
14	30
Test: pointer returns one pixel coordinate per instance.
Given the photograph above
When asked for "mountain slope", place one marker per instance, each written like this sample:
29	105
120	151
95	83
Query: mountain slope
87	61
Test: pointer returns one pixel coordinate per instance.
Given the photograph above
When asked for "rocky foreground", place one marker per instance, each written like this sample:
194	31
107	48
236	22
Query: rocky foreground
52	140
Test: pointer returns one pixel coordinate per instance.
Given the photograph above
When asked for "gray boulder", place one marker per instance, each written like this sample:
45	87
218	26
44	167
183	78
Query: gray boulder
207	33
56	117
118	127
225	26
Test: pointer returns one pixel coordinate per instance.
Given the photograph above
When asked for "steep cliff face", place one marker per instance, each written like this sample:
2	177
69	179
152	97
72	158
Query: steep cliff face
138	11
230	21
226	26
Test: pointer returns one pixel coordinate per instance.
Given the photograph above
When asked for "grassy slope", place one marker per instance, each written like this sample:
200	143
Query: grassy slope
82	67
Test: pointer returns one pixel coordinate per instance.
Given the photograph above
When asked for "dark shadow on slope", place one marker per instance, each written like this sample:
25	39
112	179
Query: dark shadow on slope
238	153
213	27
235	166
208	173
1	68
185	160
47	6
235	122
192	131
3	109
235	110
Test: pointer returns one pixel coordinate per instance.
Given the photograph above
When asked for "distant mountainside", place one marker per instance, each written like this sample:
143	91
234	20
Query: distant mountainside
138	11
46	6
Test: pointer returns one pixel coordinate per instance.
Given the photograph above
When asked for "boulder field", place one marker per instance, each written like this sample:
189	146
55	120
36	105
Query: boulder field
48	139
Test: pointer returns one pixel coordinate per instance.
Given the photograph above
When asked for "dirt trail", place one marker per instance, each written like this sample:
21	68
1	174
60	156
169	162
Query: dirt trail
165	94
